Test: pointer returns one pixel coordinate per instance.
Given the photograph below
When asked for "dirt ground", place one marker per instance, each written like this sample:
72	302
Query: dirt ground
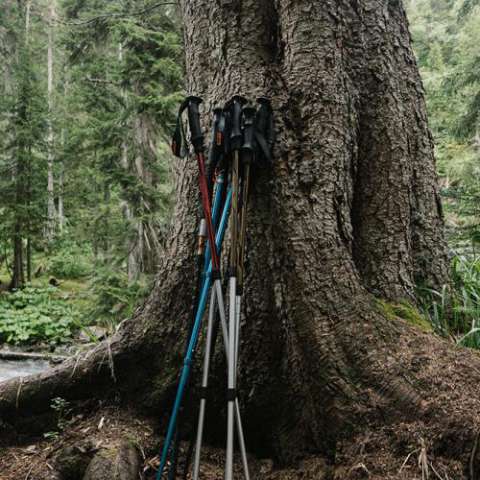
37	460
394	453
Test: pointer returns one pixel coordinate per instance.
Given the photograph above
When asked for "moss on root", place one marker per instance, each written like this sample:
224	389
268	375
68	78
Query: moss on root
405	311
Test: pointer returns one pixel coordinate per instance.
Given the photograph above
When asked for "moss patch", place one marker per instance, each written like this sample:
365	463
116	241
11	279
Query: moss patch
406	311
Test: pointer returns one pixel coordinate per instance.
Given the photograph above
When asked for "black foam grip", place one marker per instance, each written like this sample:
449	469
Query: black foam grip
194	123
237	103
249	128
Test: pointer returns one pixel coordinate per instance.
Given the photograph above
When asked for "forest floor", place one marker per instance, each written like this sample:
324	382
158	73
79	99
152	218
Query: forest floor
70	450
38	458
371	455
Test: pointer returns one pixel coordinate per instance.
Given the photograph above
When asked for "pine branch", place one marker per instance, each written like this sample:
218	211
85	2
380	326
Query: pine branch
115	15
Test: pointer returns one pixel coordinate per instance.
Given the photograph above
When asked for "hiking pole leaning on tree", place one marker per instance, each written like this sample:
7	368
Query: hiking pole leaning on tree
204	388
213	273
193	341
247	158
236	143
178	149
258	139
216	188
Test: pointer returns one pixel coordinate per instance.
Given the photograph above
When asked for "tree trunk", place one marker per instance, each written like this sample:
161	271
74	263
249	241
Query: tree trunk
22	161
348	214
51	214
61	212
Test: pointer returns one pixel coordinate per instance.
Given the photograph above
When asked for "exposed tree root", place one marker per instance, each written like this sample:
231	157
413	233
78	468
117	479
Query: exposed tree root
377	441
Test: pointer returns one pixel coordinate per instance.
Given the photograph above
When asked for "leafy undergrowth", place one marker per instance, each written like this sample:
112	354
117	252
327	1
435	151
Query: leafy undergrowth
88	292
36	314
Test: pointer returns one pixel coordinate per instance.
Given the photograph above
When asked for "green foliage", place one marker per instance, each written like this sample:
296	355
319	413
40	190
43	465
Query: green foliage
446	35
36	314
454	311
71	261
113	297
63	412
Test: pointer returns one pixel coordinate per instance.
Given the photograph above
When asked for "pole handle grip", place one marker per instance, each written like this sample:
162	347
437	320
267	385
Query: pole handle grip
217	142
197	137
265	130
249	129
236	105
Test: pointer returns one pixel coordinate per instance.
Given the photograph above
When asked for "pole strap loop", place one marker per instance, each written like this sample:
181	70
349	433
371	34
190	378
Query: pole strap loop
179	142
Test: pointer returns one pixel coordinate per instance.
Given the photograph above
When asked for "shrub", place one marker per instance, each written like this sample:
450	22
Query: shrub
70	262
34	314
113	297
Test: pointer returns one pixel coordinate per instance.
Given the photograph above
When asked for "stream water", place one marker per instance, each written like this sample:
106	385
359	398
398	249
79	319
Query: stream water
21	368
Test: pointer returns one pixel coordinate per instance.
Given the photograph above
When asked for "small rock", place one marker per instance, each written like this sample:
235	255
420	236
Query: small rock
124	461
71	463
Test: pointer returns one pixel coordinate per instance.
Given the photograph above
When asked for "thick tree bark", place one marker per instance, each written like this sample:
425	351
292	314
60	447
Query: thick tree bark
349	213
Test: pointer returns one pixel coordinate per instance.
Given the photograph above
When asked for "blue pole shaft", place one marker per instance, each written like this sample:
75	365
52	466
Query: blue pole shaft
187	364
216	210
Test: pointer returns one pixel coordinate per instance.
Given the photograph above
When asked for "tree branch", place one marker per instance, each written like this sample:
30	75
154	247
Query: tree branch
115	15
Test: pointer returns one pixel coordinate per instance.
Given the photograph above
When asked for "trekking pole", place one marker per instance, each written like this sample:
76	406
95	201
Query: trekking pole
200	259
203	262
204	391
264	132
247	152
216	169
193	341
207	358
236	143
197	139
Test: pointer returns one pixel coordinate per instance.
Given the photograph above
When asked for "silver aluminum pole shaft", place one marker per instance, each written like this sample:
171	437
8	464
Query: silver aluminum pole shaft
231	378
217	296
203	400
238	303
241	437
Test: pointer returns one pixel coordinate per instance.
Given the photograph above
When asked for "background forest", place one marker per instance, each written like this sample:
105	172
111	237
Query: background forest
87	101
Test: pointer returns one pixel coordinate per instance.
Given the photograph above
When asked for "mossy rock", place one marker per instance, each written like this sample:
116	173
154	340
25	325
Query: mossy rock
121	463
406	311
72	462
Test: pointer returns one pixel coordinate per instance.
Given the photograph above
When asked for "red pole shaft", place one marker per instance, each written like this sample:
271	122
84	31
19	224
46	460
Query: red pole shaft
207	210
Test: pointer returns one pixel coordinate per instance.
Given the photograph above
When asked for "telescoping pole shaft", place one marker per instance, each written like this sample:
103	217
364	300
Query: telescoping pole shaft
197	140
204	261
221	309
193	343
247	155
236	142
